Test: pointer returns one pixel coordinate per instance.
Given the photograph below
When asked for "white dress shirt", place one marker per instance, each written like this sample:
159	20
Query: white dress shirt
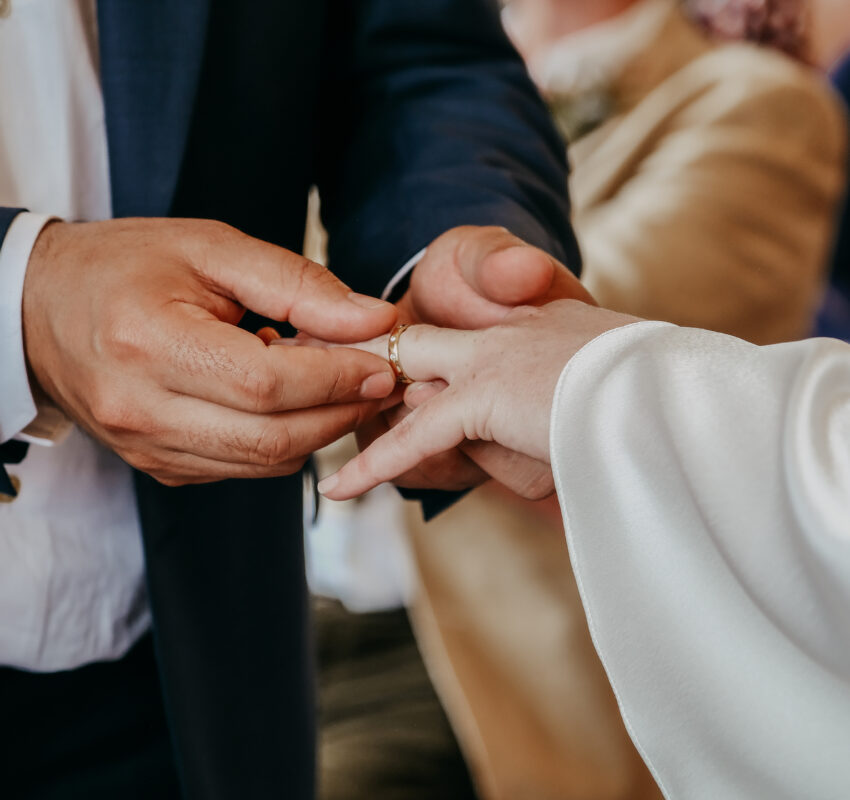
358	552
705	487
71	566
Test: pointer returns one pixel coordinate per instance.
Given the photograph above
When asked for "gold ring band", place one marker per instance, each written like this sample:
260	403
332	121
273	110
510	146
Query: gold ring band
392	349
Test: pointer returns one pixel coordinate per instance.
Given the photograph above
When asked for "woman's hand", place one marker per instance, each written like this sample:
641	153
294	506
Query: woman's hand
469	278
492	385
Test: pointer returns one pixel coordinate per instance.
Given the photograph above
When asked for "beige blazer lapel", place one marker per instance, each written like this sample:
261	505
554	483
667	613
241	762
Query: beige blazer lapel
606	157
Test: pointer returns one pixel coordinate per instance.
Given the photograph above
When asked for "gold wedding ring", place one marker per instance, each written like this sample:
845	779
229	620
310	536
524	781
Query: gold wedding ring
392	349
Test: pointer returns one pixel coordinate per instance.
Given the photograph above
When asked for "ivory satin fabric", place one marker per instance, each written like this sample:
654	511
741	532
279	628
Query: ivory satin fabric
705	488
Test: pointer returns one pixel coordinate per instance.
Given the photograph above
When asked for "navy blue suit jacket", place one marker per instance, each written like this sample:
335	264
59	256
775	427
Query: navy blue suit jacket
412	116
833	317
841	262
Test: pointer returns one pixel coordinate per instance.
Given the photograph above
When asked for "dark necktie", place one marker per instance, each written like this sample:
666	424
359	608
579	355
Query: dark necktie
11	452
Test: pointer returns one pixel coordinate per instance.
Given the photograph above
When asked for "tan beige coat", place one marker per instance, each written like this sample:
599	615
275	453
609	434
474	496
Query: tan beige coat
710	201
707	202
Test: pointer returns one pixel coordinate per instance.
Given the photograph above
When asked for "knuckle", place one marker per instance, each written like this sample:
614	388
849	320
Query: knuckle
211	231
202	237
295	270
314	272
368	467
113	413
272	447
538	487
148	463
337	386
403	433
262	388
122	336
304	274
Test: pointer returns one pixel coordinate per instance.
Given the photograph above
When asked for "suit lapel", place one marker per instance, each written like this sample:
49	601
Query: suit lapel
151	52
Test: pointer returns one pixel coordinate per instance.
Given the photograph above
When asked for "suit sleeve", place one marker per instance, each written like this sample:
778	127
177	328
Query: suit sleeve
705	488
430	121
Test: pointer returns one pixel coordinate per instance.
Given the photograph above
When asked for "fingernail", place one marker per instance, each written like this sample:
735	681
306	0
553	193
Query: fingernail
284	342
418	387
364	301
377	387
415	394
328	484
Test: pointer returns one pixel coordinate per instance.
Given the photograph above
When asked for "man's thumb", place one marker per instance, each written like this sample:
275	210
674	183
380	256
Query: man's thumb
503	268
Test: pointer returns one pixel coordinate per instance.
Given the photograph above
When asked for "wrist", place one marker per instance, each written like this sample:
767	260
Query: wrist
34	304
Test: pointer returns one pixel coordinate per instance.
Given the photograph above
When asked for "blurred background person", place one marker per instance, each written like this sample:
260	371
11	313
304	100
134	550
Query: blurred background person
822	33
706	178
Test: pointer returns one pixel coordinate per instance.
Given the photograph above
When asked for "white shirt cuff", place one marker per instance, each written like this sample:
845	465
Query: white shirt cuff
402	274
20	416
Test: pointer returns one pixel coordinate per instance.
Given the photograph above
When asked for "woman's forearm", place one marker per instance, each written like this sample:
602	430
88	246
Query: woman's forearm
705	484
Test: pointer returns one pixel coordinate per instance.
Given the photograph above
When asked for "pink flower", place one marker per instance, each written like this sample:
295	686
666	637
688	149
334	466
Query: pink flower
773	23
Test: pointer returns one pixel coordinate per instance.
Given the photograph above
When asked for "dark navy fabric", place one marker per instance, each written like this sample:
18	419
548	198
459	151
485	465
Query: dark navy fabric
93	733
10	452
151	59
841	262
427	105
834	315
7	217
412	117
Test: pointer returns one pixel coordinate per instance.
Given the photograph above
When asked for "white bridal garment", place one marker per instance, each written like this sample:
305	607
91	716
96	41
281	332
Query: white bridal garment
705	485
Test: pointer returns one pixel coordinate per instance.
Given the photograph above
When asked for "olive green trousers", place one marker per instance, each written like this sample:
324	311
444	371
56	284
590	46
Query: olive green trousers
383	734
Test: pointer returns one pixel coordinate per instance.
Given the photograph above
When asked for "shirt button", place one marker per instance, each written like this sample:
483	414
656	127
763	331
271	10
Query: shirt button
16	481
5	8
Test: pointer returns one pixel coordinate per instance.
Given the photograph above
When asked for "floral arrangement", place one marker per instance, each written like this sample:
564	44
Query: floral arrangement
774	23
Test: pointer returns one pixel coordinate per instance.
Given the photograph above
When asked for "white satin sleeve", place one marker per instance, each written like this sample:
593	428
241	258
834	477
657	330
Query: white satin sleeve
705	488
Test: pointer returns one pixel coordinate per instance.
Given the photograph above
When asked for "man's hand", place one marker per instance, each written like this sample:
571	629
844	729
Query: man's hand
131	328
473	277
